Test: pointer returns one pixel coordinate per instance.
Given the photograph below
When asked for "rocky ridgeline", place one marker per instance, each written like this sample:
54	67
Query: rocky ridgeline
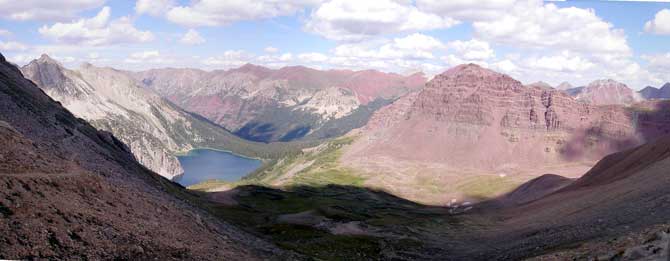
112	101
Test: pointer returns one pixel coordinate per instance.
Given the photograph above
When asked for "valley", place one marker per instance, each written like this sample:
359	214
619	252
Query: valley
335	130
473	165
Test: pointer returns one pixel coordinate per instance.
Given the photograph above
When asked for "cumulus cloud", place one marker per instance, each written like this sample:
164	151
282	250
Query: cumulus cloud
660	24
658	62
352	20
537	25
215	13
270	49
466	9
96	31
148	57
312	57
192	37
413	46
473	50
45	10
564	62
230	58
153	7
12	46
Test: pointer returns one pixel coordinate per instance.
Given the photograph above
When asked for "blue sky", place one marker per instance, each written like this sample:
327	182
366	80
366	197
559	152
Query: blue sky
532	40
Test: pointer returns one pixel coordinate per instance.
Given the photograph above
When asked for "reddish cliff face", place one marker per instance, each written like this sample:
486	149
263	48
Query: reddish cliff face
473	118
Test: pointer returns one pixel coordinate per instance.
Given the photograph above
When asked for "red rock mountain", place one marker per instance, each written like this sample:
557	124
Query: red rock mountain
473	118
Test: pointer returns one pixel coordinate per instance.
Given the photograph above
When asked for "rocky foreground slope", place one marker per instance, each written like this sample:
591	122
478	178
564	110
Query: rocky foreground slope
302	102
153	128
72	192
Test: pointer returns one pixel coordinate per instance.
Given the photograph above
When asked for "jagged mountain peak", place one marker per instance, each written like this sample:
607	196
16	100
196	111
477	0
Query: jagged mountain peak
45	58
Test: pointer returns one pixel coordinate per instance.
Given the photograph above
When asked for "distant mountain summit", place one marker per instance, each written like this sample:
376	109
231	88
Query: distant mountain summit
651	92
564	86
541	84
606	92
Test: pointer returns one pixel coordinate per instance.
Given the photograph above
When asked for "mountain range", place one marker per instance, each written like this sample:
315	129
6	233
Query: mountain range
455	169
472	133
154	129
295	102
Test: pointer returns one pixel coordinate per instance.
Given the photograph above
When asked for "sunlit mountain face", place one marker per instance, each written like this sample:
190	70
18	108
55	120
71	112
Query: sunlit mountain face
334	130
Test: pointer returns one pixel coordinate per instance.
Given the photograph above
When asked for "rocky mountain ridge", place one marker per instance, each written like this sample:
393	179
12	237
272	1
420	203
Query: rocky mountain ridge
301	100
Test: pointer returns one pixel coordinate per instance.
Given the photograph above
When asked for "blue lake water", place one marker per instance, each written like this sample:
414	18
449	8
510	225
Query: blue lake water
204	164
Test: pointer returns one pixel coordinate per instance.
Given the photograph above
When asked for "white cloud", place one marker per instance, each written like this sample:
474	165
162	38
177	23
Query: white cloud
658	62
474	50
153	7
230	58
564	62
660	24
148	57
12	46
466	9
192	37
215	13
45	10
5	33
98	30
534	24
312	57
506	66
352	20
270	49
414	46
